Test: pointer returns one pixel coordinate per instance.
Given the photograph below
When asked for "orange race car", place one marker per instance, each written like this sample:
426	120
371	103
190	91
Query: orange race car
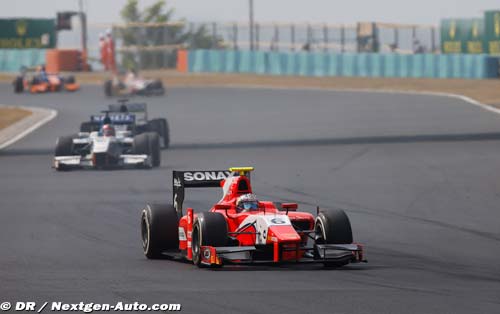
41	82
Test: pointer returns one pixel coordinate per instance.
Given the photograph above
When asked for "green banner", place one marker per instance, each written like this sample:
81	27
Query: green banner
27	33
453	35
474	35
492	32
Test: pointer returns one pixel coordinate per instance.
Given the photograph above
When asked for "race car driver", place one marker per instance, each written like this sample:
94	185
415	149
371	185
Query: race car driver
108	130
42	74
247	202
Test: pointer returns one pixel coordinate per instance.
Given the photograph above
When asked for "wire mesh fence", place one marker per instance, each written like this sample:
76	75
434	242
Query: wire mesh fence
154	45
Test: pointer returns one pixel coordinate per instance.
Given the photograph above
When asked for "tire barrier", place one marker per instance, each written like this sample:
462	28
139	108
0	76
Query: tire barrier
12	60
321	64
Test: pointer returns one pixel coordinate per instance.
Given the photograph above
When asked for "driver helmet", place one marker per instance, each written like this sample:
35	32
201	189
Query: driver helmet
108	130
247	202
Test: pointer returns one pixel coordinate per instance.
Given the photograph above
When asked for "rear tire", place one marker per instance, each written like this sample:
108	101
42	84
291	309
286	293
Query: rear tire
333	227
210	229
158	88
159	230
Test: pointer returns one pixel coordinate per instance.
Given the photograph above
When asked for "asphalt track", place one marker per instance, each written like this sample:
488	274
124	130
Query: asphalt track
418	176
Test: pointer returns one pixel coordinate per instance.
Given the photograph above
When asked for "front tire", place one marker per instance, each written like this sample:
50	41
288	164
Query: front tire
148	144
333	227
209	229
160	126
64	146
154	144
159	230
18	85
141	144
108	88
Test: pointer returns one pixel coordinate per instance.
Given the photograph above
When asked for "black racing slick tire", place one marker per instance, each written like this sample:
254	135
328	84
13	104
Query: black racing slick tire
159	230
64	146
70	80
108	88
154	144
166	133
160	126
141	144
18	85
208	229
333	227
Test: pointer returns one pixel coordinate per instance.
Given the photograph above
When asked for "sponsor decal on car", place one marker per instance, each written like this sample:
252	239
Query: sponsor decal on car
182	234
206	175
278	221
177	182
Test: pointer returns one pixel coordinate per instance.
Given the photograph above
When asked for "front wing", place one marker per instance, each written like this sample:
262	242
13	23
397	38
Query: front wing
125	161
242	255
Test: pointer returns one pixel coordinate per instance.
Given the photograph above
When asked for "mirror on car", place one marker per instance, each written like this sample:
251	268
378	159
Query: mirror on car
289	206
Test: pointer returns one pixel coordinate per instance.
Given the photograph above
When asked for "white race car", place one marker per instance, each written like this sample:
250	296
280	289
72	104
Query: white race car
110	147
131	87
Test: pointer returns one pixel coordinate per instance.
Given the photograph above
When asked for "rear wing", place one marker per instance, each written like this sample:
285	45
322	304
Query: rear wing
194	179
115	118
201	179
139	109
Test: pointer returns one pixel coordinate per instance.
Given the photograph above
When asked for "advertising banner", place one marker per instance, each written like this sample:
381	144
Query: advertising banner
474	35
492	32
27	33
453	33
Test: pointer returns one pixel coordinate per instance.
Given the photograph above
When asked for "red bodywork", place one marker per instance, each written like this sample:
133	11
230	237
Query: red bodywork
283	242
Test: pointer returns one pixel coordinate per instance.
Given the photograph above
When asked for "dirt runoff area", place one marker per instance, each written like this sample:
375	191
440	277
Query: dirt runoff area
10	115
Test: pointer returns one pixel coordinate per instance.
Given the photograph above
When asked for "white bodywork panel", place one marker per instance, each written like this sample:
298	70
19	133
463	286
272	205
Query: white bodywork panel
262	224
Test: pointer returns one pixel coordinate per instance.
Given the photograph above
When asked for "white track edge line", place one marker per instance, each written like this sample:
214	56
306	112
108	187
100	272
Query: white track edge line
52	115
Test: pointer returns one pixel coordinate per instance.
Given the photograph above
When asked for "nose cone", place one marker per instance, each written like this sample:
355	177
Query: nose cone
101	145
284	233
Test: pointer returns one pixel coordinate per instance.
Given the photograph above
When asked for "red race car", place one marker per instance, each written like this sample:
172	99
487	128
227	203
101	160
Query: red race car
240	229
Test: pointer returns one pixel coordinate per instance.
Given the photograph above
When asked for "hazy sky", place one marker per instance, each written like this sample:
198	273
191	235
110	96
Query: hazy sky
330	11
